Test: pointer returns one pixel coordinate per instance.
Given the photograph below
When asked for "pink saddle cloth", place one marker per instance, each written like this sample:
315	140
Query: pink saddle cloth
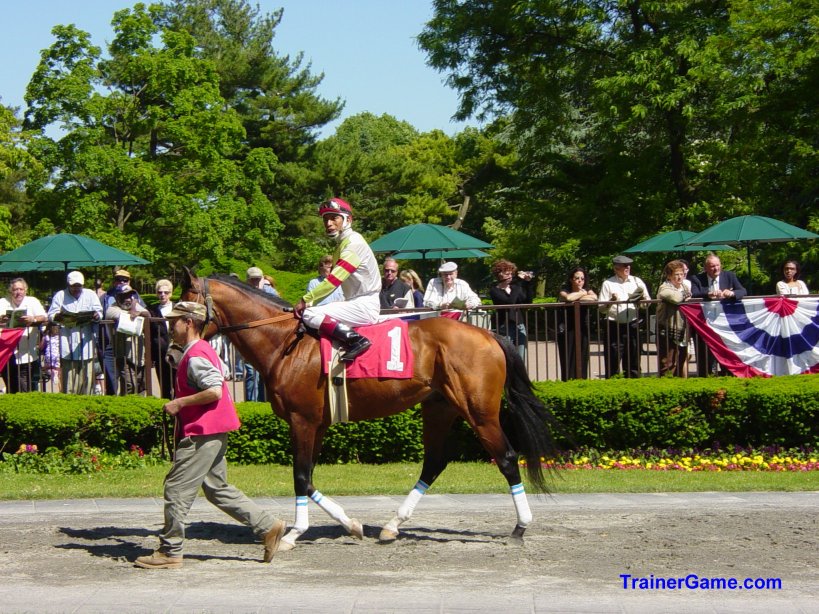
390	354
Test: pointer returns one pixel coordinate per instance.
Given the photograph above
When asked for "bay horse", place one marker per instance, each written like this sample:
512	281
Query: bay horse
460	371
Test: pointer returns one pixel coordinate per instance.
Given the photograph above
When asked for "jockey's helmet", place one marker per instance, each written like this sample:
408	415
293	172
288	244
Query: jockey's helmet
336	206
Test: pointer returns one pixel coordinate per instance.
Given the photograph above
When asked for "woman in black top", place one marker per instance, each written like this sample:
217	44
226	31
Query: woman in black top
513	287
160	337
575	290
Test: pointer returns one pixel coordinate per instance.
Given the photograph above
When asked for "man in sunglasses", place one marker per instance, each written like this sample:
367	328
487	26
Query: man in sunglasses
356	272
392	288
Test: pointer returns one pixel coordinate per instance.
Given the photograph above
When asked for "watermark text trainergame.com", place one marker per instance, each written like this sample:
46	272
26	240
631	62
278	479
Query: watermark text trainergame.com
694	582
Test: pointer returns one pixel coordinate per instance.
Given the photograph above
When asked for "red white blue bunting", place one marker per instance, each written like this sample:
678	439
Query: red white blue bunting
760	336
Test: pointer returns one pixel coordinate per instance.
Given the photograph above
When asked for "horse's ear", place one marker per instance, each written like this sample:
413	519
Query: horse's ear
187	279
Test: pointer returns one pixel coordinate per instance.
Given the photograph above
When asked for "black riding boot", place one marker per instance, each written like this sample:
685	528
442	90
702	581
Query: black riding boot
354	344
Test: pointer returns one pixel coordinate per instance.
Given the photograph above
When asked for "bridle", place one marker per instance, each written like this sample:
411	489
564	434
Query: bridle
211	312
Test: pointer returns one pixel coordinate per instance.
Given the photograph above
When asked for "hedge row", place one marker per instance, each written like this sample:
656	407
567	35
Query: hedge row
622	414
616	414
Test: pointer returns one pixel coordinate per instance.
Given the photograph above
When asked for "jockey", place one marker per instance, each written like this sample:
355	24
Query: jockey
356	271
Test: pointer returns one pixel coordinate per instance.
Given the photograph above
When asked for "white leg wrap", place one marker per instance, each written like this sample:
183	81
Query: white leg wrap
407	507
333	509
521	505
302	522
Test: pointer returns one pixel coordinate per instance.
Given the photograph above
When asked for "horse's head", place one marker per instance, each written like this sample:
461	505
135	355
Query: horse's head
194	289
231	304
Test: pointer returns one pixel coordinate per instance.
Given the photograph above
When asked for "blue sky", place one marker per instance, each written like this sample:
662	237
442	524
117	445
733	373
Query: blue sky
365	48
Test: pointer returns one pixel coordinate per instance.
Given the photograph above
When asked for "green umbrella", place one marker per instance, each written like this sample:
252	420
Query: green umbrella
441	254
63	252
671	242
430	241
749	230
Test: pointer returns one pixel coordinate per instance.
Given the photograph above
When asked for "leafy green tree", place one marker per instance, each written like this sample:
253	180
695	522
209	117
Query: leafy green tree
638	116
17	164
274	95
398	176
146	150
765	68
343	164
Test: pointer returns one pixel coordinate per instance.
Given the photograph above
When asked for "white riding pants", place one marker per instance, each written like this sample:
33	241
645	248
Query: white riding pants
359	311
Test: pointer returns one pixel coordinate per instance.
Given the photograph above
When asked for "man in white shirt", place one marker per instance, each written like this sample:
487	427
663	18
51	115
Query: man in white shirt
76	339
22	371
623	291
449	292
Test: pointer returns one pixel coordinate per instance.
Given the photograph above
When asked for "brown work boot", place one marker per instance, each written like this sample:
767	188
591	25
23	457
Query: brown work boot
159	560
272	539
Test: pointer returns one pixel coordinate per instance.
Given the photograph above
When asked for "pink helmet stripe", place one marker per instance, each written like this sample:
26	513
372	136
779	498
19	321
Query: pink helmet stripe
335	206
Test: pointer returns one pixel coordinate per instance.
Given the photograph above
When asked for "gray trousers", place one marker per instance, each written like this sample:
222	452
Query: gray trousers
200	461
78	376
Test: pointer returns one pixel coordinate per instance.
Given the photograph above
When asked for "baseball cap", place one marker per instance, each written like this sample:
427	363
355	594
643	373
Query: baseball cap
621	260
448	267
122	273
75	277
124	292
189	309
254	272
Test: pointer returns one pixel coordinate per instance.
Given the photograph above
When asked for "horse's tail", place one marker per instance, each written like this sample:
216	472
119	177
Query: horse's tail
533	423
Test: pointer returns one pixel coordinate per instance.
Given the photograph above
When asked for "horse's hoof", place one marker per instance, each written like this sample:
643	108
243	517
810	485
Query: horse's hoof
285	546
356	529
517	534
387	536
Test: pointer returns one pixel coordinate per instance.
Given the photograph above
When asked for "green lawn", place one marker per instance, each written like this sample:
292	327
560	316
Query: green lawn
397	479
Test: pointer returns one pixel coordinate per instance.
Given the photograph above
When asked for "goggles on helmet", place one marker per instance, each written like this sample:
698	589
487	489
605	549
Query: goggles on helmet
335	206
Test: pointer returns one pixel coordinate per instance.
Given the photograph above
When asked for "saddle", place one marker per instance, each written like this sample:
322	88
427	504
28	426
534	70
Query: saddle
390	355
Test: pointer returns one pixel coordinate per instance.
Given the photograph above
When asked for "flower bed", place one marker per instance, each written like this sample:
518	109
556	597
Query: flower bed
771	458
76	458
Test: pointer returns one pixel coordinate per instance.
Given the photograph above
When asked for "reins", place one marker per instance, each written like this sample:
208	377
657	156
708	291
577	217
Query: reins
255	323
238	327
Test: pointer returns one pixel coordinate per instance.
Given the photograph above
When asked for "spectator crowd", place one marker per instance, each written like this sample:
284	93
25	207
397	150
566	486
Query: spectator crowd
92	341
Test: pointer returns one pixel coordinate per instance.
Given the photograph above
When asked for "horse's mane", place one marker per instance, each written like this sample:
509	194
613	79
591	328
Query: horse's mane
240	285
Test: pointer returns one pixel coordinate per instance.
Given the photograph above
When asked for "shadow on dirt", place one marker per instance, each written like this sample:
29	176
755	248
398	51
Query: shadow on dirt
122	542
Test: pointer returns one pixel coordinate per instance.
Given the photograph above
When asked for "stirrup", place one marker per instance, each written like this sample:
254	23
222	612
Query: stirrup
355	350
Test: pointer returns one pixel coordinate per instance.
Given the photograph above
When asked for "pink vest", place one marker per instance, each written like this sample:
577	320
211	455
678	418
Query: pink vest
211	418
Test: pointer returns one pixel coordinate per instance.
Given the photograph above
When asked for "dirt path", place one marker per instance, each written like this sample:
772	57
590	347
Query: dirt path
453	554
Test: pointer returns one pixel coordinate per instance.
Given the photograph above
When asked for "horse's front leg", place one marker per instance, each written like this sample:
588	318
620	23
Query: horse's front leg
306	446
332	508
302	484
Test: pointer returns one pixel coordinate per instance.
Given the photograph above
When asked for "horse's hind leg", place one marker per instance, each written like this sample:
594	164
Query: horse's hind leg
438	417
495	442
